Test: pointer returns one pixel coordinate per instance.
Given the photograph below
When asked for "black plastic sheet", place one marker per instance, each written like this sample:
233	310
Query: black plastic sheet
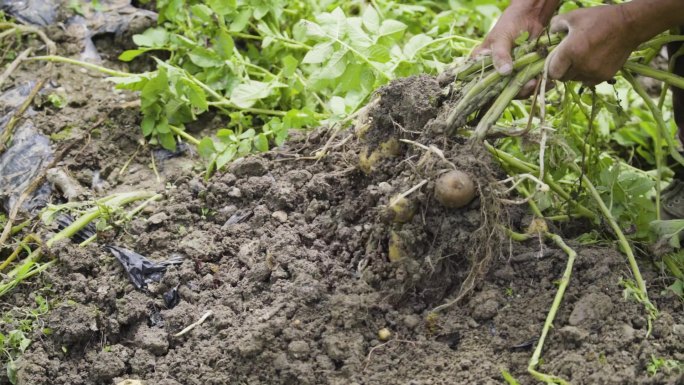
141	271
28	155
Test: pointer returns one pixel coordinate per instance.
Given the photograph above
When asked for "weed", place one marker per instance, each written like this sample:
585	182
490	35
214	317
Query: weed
661	364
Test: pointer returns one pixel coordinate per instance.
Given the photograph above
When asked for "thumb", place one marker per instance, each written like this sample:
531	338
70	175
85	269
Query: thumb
560	24
501	55
560	59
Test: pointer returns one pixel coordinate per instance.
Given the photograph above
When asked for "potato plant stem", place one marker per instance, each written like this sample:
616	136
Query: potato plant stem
178	131
90	66
548	323
94	213
522	166
658	116
505	98
623	242
664	76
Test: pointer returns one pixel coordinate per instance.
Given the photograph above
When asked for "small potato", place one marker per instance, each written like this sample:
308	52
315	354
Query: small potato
397	247
454	189
401	209
384	334
367	161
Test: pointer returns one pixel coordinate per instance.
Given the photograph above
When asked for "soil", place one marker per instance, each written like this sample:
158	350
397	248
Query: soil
291	257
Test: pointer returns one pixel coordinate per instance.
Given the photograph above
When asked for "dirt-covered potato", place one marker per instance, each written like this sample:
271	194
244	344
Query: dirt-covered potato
385	150
401	209
397	247
455	189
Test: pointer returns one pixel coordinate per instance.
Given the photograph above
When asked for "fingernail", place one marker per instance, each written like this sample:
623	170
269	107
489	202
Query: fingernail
505	69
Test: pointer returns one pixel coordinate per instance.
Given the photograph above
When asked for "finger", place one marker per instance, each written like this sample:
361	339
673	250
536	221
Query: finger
501	56
560	24
560	62
480	51
528	89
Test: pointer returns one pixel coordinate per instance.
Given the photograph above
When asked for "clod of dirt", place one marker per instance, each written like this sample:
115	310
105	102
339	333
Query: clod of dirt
591	308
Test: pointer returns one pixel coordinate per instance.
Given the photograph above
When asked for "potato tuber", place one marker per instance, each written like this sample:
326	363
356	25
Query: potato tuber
401	209
454	189
367	161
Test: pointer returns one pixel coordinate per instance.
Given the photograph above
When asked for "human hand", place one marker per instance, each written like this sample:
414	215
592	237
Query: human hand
598	43
521	16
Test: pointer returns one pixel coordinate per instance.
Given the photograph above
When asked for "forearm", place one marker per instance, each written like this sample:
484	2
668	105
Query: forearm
648	18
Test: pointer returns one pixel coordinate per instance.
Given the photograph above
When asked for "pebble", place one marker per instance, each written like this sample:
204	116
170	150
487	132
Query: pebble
412	321
280	216
384	187
158	218
573	334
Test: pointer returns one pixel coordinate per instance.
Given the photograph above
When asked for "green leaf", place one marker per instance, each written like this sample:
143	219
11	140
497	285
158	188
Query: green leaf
261	143
223	158
224	45
222	7
131	54
153	37
162	126
247	94
168	141
319	53
204	58
245	147
379	53
289	65
337	105
335	66
196	95
206	148
390	27
249	134
202	12
415	44
371	19
669	230
241	21
147	125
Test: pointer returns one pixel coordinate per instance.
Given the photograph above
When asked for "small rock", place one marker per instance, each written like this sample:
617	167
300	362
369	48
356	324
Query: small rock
473	324
298	349
678	330
158	218
591	308
573	334
412	321
628	332
384	188
662	326
235	193
280	216
131	382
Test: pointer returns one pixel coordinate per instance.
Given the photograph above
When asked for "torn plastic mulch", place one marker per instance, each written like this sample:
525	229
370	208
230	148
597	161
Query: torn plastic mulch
142	271
104	17
27	156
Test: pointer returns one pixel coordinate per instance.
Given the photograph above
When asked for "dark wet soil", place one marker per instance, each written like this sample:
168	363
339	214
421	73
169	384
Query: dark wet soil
291	257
